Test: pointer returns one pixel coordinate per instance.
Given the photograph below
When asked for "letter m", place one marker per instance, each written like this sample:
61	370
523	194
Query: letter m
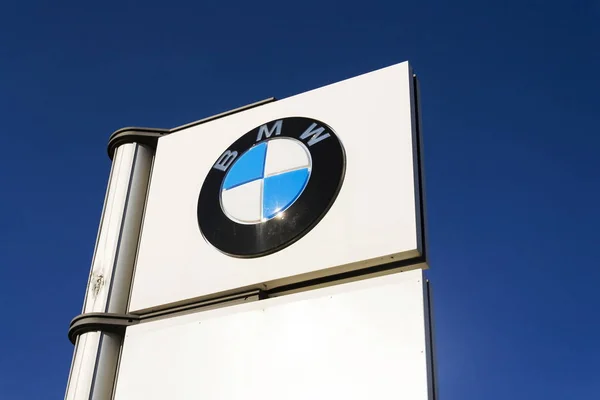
314	134
264	130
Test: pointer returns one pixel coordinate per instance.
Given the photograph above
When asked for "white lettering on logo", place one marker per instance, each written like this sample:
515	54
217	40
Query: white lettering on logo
315	134
264	130
226	160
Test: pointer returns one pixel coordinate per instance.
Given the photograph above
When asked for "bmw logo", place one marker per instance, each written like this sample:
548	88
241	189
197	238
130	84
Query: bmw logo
271	187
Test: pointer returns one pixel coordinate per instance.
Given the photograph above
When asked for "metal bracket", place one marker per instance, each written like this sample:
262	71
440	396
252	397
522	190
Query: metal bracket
117	323
147	136
104	322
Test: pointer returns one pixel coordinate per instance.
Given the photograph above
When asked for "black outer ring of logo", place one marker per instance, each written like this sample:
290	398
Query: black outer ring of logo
248	241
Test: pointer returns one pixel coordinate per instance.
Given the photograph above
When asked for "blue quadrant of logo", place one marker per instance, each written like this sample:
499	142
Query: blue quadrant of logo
249	167
280	191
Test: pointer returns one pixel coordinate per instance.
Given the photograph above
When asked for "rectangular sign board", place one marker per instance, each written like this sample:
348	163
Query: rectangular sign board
369	339
352	183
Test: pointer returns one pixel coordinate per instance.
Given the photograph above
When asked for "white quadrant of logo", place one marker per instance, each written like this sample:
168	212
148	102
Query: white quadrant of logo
265	180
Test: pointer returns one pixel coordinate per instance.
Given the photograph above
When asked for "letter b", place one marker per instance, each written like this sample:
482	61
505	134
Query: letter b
226	160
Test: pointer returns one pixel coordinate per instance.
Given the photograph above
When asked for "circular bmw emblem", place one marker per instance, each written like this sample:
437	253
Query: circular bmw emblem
271	187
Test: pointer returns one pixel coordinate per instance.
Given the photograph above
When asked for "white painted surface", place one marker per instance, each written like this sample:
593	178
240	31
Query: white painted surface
363	340
243	203
373	220
285	155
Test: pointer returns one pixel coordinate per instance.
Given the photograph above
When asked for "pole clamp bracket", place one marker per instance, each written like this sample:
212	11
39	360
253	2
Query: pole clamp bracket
104	322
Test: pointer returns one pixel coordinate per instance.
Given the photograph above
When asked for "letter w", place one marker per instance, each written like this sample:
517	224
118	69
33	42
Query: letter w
315	134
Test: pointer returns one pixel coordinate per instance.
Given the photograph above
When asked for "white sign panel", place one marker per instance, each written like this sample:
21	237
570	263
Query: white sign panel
317	184
362	340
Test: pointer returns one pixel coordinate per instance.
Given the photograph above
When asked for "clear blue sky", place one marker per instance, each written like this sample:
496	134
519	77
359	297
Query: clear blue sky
511	110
